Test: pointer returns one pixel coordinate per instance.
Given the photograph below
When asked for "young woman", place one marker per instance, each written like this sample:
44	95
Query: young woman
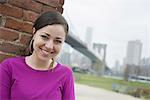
38	76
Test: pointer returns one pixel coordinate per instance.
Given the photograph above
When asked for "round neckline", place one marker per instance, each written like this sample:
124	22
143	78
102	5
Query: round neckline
38	70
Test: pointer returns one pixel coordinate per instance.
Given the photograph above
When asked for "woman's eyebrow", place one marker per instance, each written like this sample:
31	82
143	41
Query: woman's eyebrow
46	33
50	35
59	38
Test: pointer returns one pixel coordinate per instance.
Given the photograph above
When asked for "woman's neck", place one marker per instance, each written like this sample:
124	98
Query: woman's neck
38	64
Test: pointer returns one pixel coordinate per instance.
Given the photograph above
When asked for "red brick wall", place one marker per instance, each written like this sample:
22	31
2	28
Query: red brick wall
16	20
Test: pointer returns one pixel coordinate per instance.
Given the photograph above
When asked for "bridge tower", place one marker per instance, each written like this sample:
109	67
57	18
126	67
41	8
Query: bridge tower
99	66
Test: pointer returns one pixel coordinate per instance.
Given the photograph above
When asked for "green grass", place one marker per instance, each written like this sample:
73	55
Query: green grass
106	83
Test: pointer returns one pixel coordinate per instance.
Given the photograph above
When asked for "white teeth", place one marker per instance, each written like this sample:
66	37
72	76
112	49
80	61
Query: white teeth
45	52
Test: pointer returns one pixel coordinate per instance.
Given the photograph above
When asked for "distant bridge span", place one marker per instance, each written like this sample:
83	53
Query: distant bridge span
80	46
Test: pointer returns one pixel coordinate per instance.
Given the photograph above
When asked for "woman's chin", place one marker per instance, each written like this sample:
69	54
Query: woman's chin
46	57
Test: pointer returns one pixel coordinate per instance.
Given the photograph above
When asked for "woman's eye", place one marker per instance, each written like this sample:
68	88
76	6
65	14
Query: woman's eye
58	41
44	37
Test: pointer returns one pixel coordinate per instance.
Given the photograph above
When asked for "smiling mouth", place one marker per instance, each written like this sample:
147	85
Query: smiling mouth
46	51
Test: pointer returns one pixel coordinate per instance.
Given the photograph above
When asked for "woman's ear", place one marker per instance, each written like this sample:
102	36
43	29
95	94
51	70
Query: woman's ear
33	31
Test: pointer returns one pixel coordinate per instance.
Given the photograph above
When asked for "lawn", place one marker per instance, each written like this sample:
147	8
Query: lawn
103	82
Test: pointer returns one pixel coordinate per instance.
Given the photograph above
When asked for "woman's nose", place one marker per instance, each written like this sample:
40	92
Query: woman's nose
49	44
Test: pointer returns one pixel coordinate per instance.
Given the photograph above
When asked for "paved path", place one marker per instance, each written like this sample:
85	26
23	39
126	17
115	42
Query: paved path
84	92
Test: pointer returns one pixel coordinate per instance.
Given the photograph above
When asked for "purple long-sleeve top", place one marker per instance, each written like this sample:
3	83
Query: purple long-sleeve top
18	81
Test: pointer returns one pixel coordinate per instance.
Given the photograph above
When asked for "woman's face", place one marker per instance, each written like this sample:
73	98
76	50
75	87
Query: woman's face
48	41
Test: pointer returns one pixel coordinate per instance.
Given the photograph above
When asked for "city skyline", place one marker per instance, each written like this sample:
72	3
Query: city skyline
114	23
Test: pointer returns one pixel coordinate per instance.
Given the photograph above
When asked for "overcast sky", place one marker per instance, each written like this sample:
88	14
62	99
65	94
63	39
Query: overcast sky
114	23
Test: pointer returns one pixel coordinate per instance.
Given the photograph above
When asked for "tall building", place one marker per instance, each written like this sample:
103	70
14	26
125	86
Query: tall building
145	62
88	36
65	55
134	51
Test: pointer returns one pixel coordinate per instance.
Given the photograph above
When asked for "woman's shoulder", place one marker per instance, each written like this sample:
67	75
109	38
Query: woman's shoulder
11	63
65	68
66	73
12	59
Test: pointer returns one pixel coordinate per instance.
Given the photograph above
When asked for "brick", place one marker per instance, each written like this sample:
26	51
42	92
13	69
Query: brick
8	34
25	39
19	25
3	1
18	3
27	4
48	8
27	27
29	16
34	6
13	48
61	2
4	56
8	10
13	24
52	3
